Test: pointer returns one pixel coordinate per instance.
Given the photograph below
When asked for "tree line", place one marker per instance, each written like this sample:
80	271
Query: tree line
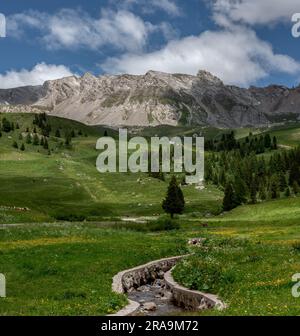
247	177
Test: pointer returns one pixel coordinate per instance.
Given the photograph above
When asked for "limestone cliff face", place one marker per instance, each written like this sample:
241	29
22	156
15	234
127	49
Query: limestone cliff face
156	98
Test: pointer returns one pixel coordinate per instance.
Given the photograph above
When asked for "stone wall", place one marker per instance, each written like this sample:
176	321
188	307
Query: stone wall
133	278
124	281
191	299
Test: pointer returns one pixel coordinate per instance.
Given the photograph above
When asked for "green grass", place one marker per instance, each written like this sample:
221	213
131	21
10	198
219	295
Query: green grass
67	182
68	270
249	259
63	268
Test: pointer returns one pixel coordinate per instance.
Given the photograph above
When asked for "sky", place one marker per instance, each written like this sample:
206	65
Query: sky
243	42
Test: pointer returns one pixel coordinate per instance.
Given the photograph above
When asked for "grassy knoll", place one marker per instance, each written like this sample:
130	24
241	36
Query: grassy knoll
249	259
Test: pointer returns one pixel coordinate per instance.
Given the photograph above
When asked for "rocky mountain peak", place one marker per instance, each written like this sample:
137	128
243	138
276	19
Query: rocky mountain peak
207	76
156	98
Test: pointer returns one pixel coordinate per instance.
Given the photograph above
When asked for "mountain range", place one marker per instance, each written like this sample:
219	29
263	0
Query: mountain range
156	98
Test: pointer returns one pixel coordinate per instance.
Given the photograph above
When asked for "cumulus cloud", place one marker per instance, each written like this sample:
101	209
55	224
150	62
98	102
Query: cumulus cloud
73	29
237	56
36	76
255	11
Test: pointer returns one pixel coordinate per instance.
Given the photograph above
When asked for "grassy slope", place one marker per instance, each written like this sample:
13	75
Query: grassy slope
67	268
67	182
249	259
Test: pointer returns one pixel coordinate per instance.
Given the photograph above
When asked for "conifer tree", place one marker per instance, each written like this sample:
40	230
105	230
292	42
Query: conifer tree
282	182
275	143
46	146
174	202
295	188
253	191
294	174
35	140
240	189
274	187
28	138
229	201
287	192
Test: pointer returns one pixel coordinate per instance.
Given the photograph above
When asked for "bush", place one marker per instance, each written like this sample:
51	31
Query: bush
296	246
163	224
70	217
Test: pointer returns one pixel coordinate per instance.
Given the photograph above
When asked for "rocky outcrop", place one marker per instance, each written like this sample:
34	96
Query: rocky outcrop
156	98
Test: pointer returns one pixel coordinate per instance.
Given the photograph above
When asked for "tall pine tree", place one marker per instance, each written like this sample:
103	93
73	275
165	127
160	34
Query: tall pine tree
174	202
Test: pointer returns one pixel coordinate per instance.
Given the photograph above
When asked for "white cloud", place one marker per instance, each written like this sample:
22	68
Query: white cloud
36	76
73	29
237	56
255	11
168	6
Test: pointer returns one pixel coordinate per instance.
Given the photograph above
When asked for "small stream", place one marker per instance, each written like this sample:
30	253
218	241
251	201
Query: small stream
155	300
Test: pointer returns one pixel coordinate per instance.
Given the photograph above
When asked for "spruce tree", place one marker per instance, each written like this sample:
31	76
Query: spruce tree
295	188
287	192
240	190
36	140
253	191
28	138
274	187
262	193
282	182
6	125
275	143
267	141
174	202
294	174
46	146
229	201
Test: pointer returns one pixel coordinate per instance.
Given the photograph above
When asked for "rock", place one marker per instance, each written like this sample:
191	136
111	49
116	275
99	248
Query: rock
196	241
150	306
167	296
143	289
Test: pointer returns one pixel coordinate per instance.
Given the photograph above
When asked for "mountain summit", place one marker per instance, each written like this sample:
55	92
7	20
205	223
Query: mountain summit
155	98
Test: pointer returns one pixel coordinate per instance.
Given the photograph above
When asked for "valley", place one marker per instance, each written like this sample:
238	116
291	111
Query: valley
78	228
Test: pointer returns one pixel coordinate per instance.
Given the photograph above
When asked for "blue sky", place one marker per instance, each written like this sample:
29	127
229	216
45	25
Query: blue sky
245	42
